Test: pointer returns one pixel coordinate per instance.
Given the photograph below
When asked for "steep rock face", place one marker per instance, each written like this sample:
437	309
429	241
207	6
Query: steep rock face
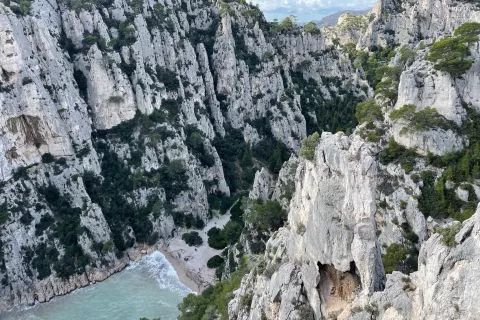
347	211
423	86
437	141
401	21
331	236
445	285
340	188
41	108
262	186
119	112
350	28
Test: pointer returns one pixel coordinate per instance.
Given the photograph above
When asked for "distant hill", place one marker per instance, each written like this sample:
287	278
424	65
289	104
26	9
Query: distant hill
332	19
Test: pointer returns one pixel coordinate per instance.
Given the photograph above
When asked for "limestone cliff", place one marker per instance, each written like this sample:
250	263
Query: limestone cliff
123	121
331	229
115	118
358	203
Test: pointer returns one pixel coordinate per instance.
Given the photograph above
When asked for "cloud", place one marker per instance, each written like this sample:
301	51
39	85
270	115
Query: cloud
309	9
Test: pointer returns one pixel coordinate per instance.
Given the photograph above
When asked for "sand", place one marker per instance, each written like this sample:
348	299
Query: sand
190	263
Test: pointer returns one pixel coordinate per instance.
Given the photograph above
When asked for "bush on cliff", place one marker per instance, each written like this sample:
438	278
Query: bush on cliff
368	111
308	146
451	54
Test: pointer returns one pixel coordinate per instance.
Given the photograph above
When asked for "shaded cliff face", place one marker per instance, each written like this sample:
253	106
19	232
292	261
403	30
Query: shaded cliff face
120	119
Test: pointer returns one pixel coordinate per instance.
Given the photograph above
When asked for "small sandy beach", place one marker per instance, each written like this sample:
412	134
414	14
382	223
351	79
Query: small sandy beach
190	263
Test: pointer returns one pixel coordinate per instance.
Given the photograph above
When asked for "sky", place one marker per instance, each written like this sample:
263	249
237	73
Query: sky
308	10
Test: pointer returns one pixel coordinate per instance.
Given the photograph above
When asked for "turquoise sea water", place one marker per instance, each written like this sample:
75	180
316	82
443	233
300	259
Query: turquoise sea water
148	288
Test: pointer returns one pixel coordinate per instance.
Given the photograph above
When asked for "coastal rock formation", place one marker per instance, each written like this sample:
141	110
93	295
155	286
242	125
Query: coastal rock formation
350	214
114	121
123	123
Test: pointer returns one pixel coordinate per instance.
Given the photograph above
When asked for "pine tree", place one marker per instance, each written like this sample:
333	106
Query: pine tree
464	168
275	161
247	156
476	171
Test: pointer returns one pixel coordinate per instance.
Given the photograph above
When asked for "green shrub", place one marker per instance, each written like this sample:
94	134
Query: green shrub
422	120
175	174
368	111
215	239
45	222
215	262
23	8
192	238
191	221
432	201
91	39
312	28
195	143
397	153
168	77
301	229
288	23
213	300
267	217
44	258
26	218
126	36
410	235
468	32
228	235
387	72
4	213
448	234
407	56
394	257
47	158
246	300
107	246
438	201
387	88
309	144
116	99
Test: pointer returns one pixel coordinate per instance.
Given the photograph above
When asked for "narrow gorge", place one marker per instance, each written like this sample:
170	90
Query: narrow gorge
324	173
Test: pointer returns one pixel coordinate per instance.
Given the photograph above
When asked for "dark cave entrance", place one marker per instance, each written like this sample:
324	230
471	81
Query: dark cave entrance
337	288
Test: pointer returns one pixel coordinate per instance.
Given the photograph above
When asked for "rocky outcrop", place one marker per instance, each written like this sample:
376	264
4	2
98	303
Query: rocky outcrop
445	285
402	21
349	29
436	140
262	186
423	86
329	252
347	209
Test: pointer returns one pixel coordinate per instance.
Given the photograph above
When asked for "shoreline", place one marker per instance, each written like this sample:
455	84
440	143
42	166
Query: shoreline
189	263
181	271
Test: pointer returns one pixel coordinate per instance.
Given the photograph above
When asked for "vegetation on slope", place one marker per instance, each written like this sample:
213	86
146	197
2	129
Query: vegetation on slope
439	198
451	53
422	120
213	301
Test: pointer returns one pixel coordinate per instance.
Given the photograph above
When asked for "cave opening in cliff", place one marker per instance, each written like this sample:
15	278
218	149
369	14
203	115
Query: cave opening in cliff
337	288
